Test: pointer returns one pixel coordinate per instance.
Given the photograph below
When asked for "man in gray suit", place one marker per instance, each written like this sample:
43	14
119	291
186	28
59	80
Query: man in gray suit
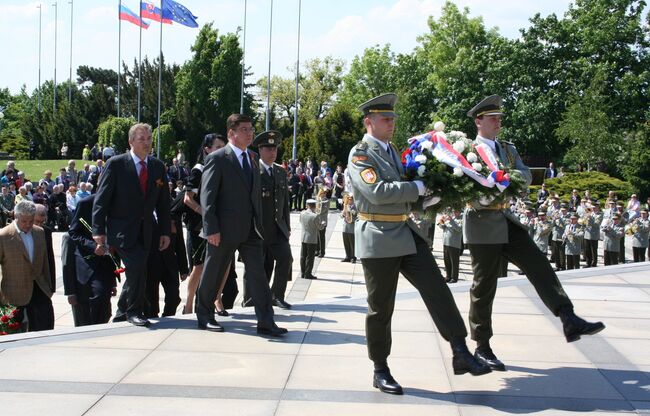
390	243
493	233
232	220
452	236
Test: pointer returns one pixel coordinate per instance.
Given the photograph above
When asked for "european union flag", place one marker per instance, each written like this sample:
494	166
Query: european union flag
178	13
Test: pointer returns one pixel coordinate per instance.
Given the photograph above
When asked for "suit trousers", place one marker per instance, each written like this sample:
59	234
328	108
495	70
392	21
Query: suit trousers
451	256
131	301
523	253
158	273
307	254
39	311
638	253
348	245
276	255
421	270
217	262
591	253
610	258
93	303
572	261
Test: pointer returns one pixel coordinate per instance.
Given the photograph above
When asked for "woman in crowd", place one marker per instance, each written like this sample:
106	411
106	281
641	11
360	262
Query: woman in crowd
196	245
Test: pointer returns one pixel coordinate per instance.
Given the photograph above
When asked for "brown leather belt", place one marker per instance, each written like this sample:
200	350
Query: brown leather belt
493	207
382	217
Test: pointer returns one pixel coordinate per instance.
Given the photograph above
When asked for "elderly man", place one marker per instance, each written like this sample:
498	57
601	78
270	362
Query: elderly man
131	188
6	205
25	271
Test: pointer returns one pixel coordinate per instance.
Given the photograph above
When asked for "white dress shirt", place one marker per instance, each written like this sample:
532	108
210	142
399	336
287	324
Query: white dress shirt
28	241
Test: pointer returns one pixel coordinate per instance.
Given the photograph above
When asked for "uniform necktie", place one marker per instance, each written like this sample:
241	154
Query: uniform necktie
391	154
246	167
144	177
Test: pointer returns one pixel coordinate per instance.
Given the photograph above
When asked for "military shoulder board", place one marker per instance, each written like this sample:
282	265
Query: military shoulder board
198	167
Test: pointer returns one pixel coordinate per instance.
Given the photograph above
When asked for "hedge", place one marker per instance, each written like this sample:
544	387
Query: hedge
597	183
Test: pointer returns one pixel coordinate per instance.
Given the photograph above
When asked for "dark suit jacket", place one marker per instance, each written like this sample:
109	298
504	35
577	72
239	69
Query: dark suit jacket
228	205
275	203
121	207
81	248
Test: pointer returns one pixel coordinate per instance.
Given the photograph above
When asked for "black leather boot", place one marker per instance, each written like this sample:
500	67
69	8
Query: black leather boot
464	362
574	326
384	381
485	355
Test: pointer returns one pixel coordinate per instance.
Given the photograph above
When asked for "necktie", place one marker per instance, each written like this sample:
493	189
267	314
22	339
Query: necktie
144	177
246	167
391	154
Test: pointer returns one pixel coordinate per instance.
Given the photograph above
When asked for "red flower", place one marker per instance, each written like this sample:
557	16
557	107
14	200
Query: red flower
404	154
3	333
14	325
4	318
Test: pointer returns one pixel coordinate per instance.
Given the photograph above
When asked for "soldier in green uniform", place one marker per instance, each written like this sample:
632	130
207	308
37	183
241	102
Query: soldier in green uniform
389	242
492	233
275	216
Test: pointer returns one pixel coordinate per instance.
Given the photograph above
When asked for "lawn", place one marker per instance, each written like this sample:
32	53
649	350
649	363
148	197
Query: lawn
34	168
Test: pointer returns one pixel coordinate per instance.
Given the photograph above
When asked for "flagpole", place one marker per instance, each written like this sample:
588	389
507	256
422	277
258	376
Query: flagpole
160	63
243	60
119	54
70	79
140	61
268	81
295	107
56	14
40	10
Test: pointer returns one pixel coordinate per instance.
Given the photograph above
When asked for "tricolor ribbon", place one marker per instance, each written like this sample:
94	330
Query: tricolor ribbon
497	176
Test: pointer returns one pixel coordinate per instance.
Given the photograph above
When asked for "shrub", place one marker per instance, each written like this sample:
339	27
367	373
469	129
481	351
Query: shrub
597	183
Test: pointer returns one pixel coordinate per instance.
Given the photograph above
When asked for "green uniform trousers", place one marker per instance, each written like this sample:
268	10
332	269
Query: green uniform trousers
421	270
523	253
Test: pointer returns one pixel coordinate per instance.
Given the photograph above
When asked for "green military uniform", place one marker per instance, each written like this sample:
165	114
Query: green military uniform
492	233
592	221
389	241
572	237
641	231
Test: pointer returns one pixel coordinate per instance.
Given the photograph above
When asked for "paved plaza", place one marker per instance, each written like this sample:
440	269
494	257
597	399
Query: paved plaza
321	366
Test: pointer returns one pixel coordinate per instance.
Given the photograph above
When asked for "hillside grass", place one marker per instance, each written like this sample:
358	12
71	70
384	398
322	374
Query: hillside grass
34	168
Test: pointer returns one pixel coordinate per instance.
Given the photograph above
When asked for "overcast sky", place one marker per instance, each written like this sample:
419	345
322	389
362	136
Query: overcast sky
341	28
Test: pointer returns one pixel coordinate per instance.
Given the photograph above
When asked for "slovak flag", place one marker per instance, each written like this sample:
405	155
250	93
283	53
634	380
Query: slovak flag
150	11
129	16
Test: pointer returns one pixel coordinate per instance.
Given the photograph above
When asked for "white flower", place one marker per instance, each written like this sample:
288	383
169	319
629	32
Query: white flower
459	146
439	126
458	172
421	170
485	200
477	166
420	158
426	145
471	157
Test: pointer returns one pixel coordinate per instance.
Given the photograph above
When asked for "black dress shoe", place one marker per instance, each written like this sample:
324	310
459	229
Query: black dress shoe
281	304
320	256
346	260
276	331
385	382
138	320
487	357
464	362
120	318
354	260
310	277
222	313
574	326
211	325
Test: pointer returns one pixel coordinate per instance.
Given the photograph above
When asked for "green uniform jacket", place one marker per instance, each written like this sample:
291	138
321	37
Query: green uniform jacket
542	230
612	237
490	226
573	240
452	232
592	229
311	223
640	238
378	189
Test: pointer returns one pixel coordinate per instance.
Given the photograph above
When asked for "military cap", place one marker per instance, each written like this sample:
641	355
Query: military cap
490	106
564	206
383	104
574	216
644	210
620	204
268	138
616	217
311	201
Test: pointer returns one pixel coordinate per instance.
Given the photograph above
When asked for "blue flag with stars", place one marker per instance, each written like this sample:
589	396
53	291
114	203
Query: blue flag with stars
178	13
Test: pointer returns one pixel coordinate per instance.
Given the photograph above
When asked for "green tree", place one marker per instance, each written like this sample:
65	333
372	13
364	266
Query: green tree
115	130
168	144
637	165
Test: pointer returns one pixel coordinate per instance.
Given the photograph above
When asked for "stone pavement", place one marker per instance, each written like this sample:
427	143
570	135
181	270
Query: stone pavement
321	366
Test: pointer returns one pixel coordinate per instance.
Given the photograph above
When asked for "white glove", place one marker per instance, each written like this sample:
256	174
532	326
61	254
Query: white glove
430	201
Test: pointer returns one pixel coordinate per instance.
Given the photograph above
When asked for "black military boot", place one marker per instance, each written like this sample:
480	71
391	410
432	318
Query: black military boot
574	326
384	381
464	362
484	354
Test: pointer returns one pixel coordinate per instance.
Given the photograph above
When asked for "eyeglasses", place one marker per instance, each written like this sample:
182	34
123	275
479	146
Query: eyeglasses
246	130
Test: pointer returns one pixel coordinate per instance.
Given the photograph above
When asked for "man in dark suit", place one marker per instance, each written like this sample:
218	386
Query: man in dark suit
88	274
232	220
131	187
275	210
550	172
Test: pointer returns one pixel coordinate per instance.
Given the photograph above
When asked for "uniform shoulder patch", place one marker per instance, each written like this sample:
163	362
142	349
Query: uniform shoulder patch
369	176
362	145
359	158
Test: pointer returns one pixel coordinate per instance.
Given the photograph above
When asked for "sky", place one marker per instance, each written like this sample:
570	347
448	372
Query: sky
340	28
